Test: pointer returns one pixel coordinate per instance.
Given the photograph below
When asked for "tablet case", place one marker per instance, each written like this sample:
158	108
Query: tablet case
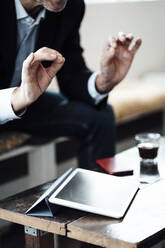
42	207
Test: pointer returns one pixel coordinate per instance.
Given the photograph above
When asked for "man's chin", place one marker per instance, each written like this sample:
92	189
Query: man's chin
55	9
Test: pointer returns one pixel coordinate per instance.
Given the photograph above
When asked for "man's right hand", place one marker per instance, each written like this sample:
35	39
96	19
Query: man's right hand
36	78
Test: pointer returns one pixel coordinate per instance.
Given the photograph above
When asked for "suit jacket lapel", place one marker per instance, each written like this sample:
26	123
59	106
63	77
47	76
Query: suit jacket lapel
49	29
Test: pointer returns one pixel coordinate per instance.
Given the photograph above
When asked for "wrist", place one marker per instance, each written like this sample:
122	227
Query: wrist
18	101
102	85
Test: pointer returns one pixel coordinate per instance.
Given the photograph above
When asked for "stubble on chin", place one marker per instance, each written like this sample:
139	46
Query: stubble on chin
48	6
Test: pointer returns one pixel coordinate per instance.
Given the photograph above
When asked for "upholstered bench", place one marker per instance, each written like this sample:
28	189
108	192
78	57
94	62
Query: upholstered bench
132	100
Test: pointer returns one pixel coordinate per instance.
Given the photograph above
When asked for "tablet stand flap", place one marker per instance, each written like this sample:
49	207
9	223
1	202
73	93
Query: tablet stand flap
42	207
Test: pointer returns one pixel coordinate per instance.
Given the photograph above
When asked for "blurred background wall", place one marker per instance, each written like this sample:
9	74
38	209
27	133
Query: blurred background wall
145	19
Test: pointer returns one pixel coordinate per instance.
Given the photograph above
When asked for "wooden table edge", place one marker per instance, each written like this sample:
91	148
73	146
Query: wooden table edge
100	240
34	222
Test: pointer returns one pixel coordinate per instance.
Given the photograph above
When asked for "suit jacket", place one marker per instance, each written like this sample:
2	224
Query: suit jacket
59	31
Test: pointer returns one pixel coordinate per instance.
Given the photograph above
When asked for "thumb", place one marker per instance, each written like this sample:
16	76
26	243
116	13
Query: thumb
27	63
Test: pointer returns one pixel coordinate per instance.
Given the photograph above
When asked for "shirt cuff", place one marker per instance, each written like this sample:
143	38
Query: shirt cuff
92	89
6	110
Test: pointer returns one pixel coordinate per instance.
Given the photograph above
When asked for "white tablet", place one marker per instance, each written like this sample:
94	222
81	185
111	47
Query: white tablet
96	192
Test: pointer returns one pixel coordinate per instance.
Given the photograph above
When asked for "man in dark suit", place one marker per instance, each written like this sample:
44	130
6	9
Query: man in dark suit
48	30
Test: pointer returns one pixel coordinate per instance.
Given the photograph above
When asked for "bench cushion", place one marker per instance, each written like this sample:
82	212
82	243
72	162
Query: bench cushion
11	139
132	99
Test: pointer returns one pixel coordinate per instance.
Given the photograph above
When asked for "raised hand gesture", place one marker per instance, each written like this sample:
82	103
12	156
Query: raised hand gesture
116	60
36	78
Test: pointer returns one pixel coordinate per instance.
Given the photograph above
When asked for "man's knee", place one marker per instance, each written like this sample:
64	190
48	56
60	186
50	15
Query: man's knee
105	118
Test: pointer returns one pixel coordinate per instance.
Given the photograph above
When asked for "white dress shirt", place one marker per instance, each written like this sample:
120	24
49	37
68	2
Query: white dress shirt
25	24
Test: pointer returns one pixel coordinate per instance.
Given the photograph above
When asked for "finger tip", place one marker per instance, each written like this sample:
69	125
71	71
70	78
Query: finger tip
61	60
130	36
139	41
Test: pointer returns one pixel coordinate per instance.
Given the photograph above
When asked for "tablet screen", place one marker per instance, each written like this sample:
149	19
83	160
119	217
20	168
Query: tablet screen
96	192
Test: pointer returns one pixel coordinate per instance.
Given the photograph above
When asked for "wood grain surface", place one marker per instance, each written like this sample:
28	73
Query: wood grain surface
143	222
13	209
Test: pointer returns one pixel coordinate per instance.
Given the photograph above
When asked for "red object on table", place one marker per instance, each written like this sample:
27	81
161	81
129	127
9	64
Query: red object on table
115	166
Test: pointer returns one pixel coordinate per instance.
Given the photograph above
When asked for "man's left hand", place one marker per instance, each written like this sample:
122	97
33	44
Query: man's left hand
117	58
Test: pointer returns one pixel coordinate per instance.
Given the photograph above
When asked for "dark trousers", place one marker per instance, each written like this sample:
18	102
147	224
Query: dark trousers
53	115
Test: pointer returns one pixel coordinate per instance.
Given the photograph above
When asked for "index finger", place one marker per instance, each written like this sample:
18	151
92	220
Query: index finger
45	53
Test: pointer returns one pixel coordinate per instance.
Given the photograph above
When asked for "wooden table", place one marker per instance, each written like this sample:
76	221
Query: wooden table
142	226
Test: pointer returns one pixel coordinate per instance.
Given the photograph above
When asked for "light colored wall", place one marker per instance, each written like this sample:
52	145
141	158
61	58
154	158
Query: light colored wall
144	19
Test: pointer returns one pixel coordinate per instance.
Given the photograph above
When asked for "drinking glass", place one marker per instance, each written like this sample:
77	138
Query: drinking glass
148	145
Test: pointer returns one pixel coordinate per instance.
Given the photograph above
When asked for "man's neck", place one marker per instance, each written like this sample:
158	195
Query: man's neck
32	7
